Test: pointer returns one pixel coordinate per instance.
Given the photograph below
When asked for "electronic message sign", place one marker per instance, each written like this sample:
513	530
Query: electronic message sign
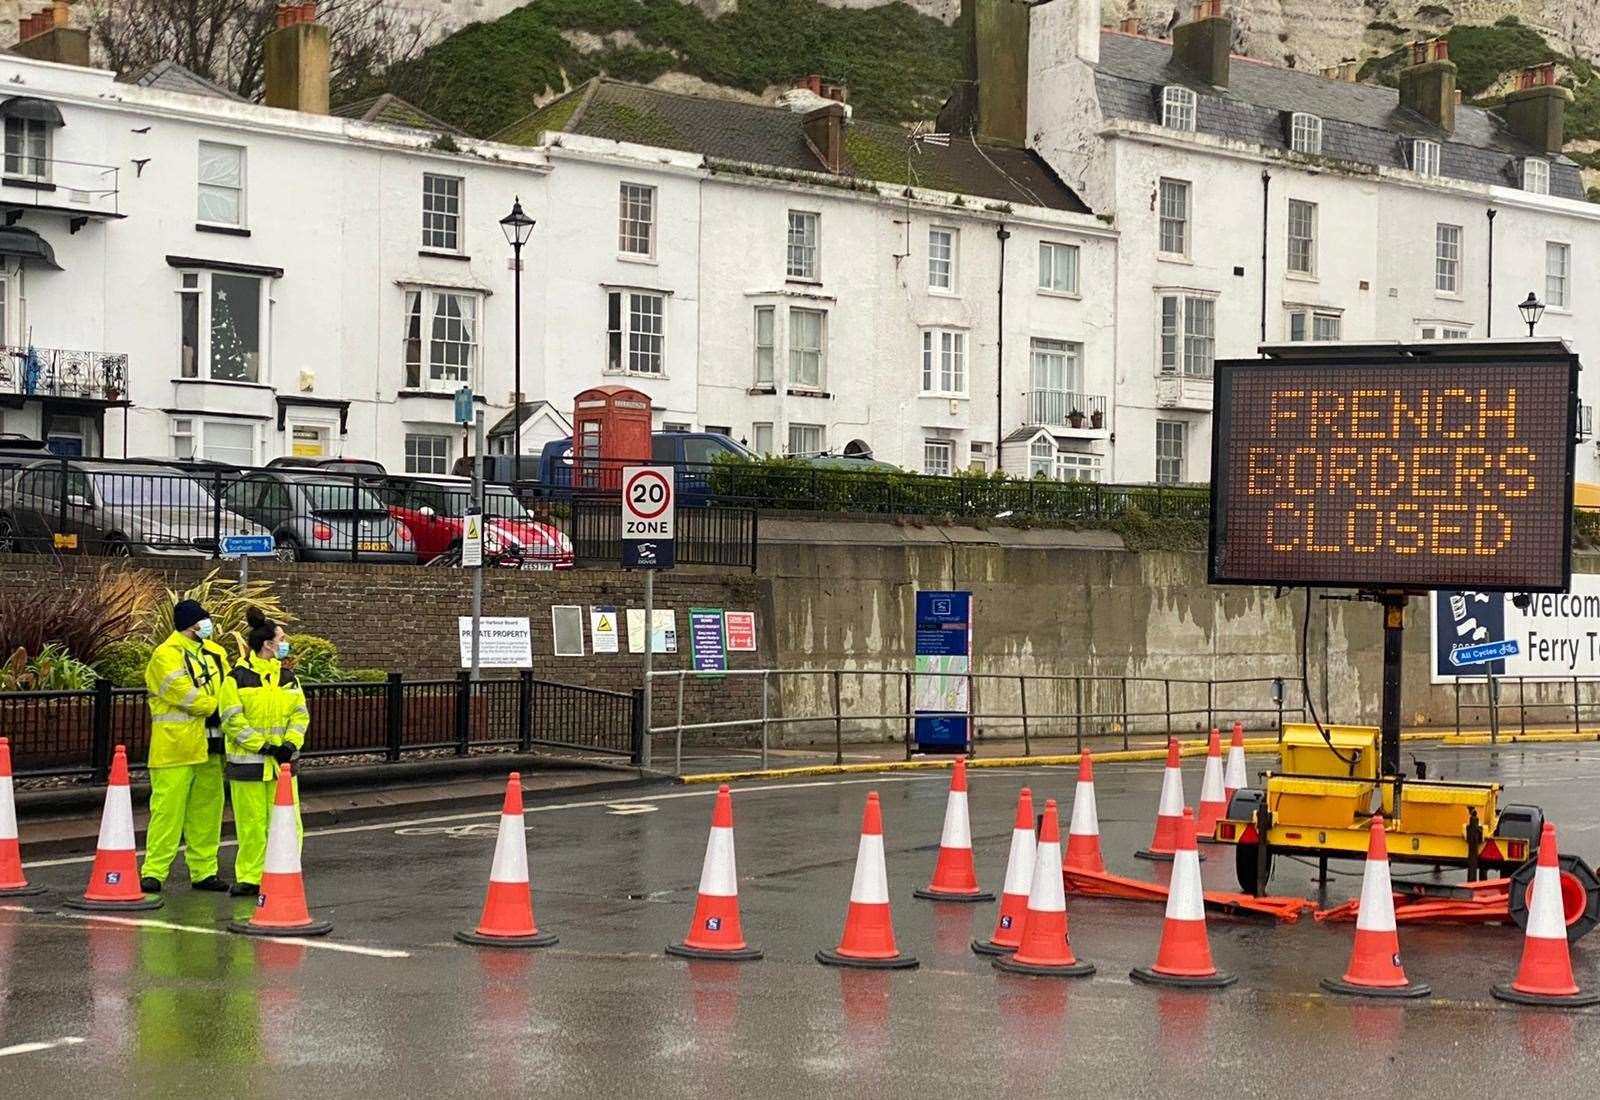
1388	471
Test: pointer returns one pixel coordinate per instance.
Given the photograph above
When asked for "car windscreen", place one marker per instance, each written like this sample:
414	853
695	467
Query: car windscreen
331	499
150	490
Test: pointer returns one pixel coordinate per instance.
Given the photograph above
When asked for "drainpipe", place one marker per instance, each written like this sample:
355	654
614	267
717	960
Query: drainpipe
1266	188
1488	310
1003	235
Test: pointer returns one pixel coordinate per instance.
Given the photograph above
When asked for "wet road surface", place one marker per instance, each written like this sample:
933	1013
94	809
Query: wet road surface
390	1006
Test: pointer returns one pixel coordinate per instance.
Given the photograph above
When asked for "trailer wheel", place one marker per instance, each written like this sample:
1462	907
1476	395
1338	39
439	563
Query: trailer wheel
1247	866
1580	895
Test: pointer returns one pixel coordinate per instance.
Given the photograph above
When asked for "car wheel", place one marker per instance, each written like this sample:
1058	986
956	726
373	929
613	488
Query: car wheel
287	550
8	535
117	547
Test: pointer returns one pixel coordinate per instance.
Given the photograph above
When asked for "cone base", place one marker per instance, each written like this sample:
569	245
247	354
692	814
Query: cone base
829	957
538	939
23	891
1552	1000
931	893
315	928
1394	992
728	954
88	906
989	947
1010	965
1151	976
1158	857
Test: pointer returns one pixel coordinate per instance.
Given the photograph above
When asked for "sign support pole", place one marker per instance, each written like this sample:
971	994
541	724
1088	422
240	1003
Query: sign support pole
477	504
649	650
1394	621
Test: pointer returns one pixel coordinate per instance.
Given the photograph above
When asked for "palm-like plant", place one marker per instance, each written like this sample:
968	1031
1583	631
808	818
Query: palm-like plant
225	599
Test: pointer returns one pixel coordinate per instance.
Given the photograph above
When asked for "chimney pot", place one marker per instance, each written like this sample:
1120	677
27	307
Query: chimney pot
1129	24
1428	84
1537	76
60	13
1536	111
1208	9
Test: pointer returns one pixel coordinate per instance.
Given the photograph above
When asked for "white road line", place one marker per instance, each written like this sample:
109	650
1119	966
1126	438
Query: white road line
707	791
324	945
15	909
35	1048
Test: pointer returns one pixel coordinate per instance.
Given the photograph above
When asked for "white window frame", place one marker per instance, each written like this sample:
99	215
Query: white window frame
1041	458
195	428
443	212
803	254
1447	248
766	349
1558	276
978	456
761	439
801	356
637	214
437	461
424	304
1305	133
1311	324
198	284
1536	175
1078	466
944	362
1186	335
30	160
632	342
1175	214
1443	330
1172	461
943	270
218	187
821	439
939	457
1180	107
1059	266
1301	232
1425	158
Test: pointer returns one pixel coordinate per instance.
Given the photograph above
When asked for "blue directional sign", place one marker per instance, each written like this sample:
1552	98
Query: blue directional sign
464	409
1488	651
248	546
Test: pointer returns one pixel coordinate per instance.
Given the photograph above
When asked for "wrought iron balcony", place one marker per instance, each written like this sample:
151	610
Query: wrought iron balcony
59	372
1065	409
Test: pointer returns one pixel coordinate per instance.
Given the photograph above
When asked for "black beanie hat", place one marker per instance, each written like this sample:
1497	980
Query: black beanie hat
187	613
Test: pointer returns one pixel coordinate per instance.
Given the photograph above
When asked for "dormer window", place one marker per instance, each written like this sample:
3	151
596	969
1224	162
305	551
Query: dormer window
1425	158
1536	176
1305	133
1177	108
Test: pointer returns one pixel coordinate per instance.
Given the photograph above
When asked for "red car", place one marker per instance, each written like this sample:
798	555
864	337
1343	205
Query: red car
435	510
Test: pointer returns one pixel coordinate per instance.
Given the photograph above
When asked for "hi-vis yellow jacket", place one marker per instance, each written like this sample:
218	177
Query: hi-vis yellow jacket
262	705
182	683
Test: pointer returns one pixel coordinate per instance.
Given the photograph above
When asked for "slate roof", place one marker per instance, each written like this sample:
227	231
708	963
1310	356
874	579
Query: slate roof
743	133
1363	123
391	110
528	411
169	76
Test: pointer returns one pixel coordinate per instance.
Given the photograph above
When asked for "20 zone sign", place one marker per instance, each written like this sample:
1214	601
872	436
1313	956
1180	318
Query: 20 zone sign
647	503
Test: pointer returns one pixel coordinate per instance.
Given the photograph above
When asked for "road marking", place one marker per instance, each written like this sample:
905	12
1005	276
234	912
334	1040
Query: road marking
624	809
35	1048
454	832
15	909
145	922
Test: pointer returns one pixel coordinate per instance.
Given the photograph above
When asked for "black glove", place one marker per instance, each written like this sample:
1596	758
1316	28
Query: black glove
213	721
282	753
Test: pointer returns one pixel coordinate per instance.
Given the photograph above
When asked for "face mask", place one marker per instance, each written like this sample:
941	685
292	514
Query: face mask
283	650
203	629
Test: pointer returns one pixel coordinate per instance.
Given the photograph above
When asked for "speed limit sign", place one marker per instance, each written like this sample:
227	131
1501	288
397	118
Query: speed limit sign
647	517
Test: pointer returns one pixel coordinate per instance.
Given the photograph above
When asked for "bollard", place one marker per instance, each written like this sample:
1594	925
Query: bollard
1022	689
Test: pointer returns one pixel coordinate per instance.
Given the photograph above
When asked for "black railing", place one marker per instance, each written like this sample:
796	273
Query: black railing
71	733
709	535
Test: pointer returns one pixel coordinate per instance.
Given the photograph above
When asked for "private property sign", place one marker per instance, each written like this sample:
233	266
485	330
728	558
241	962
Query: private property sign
1395	468
647	517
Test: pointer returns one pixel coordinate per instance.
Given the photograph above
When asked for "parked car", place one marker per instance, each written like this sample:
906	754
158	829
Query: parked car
435	509
363	466
317	517
105	508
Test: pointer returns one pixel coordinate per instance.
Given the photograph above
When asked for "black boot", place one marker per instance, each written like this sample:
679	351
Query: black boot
150	885
243	889
211	884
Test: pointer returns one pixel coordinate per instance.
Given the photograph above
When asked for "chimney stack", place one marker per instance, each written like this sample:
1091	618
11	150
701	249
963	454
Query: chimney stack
1536	111
48	35
1428	84
824	129
1205	43
297	58
993	102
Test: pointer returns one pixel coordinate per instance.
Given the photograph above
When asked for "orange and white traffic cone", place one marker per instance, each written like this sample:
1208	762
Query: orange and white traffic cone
507	919
1234	777
281	901
1045	950
1184	958
714	931
13	883
1545	974
114	879
1374	969
955	876
1169	811
1083	834
868	939
1213	799
1019	883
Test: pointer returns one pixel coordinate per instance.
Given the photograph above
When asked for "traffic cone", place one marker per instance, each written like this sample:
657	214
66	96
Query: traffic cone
1184	958
1019	883
1545	975
714	931
507	919
868	939
1045	950
114	879
1374	969
1169	811
13	883
281	903
955	878
1083	834
1213	799
1234	777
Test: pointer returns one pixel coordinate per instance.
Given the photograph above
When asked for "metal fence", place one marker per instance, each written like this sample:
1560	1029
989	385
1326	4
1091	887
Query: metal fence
823	702
72	733
1509	704
707	535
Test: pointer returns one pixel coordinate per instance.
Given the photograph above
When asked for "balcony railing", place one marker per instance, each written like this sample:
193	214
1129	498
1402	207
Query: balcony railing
1055	409
69	185
59	372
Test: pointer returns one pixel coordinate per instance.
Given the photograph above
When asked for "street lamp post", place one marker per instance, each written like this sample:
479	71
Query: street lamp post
1532	309
518	226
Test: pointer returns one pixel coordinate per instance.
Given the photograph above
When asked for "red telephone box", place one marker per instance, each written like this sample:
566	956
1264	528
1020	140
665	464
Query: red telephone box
610	430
